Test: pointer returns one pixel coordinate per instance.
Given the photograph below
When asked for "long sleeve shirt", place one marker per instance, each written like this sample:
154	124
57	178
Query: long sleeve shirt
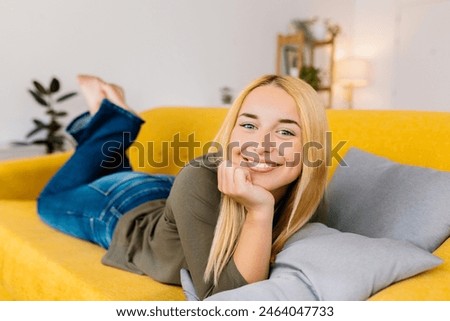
160	237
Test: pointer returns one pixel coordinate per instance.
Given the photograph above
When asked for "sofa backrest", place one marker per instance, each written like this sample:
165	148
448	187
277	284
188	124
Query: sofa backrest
420	138
172	136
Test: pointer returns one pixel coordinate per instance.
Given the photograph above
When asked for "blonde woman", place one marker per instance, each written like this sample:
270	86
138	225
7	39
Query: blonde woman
223	221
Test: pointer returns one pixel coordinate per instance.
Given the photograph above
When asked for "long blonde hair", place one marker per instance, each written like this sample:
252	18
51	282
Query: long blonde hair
304	194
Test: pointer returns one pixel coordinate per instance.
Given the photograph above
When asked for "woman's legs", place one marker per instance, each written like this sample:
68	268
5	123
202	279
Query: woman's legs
101	147
100	135
96	185
91	212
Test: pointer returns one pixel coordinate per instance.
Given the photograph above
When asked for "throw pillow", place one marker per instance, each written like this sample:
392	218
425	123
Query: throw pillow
376	197
321	263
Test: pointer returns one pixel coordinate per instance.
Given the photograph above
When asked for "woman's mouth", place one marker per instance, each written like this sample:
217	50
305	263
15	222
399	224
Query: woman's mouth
262	167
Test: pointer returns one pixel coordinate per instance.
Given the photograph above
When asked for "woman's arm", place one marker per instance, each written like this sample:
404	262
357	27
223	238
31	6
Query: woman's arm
193	207
252	254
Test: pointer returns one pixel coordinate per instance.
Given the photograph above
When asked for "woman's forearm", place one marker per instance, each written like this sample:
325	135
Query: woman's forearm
252	255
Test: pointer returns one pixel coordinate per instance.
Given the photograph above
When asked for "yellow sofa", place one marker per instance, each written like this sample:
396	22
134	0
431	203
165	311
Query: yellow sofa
39	263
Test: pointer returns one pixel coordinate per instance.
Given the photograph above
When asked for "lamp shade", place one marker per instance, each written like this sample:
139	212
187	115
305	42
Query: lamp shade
352	72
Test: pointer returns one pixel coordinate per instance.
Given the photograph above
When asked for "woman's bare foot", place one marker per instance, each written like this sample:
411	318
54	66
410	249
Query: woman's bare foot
116	95
92	89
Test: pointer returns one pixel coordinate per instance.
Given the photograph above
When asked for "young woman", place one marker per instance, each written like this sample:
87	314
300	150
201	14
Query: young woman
222	221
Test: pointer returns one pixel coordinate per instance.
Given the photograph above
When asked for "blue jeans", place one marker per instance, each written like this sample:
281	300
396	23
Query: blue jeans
96	186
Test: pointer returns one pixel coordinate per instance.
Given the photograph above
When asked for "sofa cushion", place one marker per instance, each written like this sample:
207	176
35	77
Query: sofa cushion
376	197
40	263
321	263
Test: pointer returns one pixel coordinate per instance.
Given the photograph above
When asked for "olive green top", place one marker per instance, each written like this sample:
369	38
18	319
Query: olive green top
160	237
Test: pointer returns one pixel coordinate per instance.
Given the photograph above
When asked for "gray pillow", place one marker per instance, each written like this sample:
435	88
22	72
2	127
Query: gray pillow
283	288
376	197
321	263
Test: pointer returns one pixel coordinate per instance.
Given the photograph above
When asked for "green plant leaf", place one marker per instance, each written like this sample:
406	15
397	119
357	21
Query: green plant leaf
55	143
66	96
54	126
54	85
39	123
20	143
59	139
55	113
35	131
311	75
40	142
60	113
38	98
40	89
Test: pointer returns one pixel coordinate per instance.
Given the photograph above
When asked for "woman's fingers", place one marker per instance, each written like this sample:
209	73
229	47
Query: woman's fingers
226	177
241	178
235	181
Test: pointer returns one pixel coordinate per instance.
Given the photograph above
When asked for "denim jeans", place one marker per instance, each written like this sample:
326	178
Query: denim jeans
97	186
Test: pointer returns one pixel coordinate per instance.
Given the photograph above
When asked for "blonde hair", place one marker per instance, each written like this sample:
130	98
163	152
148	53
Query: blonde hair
304	194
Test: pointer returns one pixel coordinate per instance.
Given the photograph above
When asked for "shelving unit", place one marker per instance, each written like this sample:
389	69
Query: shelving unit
295	51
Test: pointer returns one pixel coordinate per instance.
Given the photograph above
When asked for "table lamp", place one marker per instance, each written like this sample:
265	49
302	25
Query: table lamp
351	73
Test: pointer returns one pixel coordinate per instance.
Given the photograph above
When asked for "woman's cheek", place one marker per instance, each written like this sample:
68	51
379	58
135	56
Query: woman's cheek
234	152
292	154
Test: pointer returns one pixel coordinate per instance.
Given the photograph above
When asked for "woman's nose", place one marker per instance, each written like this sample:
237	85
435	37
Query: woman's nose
266	145
261	149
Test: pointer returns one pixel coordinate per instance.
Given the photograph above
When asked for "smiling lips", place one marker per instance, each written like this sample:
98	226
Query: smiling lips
261	167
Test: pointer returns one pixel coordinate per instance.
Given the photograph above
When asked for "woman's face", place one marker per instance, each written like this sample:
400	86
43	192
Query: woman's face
267	140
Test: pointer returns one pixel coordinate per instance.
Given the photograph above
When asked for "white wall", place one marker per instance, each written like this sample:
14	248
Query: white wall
421	66
407	44
181	52
161	52
374	39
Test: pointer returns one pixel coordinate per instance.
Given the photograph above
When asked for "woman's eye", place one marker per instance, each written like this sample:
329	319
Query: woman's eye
285	132
248	126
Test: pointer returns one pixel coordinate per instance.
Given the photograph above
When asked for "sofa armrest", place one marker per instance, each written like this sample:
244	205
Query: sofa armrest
25	178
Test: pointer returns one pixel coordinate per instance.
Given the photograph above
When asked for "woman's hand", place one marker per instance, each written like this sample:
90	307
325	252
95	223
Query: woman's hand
236	182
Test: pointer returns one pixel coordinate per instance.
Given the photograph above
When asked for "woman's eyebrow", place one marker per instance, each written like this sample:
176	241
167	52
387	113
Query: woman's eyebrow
253	116
289	121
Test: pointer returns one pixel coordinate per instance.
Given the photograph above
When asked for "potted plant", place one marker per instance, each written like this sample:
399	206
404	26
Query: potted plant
53	139
311	75
226	95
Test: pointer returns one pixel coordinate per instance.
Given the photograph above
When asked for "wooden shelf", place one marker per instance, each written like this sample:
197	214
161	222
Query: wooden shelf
294	51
